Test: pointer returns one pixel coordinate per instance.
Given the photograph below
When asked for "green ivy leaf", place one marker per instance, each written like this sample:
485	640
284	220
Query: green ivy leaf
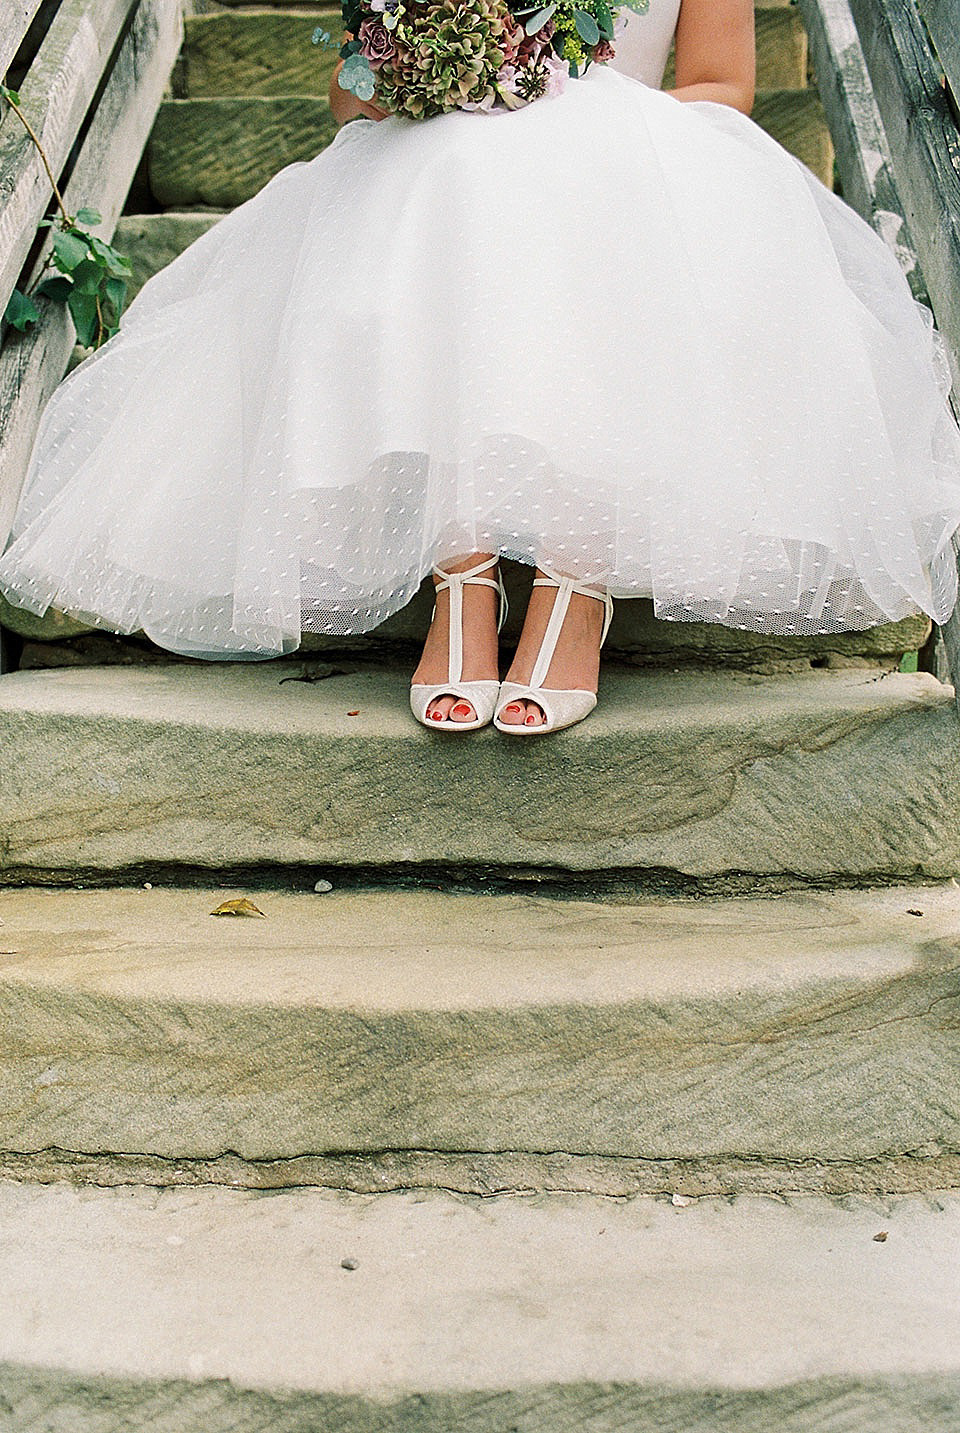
69	250
57	288
116	291
88	277
20	312
113	262
83	311
89	216
587	27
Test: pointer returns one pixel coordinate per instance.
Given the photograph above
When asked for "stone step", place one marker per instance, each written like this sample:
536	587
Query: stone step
636	633
219	152
687	777
378	1037
224	1311
270	53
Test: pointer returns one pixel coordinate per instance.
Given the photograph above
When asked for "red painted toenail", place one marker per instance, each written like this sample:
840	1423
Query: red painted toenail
437	716
531	721
462	707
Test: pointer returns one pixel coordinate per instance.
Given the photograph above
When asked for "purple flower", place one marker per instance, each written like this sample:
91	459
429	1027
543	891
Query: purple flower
376	43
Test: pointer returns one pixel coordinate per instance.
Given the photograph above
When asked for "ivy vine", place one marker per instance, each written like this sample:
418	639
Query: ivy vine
90	275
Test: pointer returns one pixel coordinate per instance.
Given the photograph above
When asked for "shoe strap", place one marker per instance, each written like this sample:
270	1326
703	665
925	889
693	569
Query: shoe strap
567	587
453	582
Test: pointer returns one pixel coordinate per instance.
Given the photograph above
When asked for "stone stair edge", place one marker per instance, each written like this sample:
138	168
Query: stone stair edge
221	151
703	779
268	52
636	633
811	1030
214	1310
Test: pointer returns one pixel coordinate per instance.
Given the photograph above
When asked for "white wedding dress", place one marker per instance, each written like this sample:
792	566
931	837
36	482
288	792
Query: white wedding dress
627	336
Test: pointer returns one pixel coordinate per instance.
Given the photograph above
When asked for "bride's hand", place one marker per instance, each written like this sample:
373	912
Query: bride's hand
370	111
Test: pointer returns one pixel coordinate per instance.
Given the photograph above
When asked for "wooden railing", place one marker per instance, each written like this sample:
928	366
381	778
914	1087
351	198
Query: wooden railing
889	77
90	91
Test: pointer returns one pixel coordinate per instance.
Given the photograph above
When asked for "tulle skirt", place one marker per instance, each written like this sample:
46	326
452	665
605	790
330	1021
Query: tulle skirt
626	336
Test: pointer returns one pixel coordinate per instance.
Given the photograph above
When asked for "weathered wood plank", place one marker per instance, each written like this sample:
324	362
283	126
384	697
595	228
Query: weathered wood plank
55	95
15	17
924	146
942	19
31	365
863	155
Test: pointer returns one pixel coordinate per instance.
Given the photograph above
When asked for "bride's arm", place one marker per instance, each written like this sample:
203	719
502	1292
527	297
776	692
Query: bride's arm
716	56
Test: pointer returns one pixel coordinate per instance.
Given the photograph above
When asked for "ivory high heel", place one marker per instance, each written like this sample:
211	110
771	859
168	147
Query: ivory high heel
560	708
482	695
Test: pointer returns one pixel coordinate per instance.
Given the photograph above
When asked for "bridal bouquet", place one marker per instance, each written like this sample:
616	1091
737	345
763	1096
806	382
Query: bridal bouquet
420	58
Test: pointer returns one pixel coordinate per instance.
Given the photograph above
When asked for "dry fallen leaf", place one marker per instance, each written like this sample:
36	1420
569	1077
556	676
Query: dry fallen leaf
239	907
354	713
880	1238
912	912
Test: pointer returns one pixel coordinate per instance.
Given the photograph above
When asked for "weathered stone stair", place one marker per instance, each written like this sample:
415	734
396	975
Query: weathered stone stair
588	1097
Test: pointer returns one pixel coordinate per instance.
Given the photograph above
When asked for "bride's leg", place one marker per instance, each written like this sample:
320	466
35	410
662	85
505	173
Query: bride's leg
480	660
576	661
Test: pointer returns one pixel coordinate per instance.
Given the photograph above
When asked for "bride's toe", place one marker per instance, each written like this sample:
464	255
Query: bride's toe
462	711
439	710
514	714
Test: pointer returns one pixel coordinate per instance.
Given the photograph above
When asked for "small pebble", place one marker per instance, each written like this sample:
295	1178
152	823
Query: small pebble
148	885
880	1238
348	1263
321	887
681	1200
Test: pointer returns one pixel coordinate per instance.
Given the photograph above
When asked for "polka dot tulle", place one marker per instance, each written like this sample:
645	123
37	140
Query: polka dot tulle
628	337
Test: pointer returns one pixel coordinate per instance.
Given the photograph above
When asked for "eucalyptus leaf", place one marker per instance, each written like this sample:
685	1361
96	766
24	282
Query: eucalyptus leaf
604	19
89	216
539	19
587	27
639	7
20	312
357	77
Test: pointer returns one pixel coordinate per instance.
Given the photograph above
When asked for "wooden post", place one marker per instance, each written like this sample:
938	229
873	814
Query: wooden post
32	364
898	154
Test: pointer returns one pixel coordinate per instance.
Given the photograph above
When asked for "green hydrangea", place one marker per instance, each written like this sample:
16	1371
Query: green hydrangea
448	56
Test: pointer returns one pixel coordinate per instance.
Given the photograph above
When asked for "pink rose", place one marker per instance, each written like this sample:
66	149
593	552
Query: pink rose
376	43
